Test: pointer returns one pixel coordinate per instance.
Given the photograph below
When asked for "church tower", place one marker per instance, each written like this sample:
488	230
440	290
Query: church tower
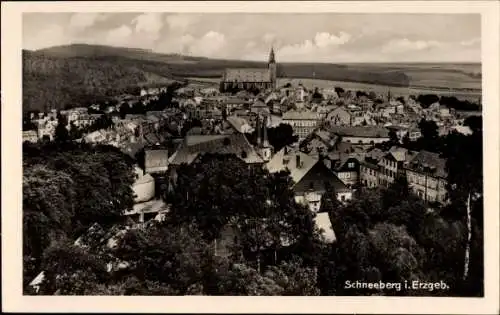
272	68
264	148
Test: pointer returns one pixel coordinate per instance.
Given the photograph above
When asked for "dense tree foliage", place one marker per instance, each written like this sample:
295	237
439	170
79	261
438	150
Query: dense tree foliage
55	82
67	187
463	105
427	100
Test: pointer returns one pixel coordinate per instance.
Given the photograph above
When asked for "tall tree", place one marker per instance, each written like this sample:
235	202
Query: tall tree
61	132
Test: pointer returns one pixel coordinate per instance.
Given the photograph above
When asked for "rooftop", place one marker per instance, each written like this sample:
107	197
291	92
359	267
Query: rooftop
194	145
301	115
359	131
429	162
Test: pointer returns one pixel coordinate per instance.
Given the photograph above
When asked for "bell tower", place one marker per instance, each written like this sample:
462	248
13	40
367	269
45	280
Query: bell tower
272	68
265	149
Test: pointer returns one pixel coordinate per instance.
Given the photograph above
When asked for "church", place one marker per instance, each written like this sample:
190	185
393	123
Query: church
250	78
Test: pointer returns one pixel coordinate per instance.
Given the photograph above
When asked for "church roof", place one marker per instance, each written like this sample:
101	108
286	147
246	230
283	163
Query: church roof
247	75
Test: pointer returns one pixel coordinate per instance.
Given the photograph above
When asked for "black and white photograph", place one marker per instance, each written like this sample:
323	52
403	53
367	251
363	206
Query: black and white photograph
253	153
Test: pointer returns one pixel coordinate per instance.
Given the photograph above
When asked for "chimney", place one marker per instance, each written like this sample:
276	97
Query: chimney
297	161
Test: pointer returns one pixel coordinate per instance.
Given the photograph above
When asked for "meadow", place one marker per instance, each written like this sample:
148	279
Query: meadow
379	89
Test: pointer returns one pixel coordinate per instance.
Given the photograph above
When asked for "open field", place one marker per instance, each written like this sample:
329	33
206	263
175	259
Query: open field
379	89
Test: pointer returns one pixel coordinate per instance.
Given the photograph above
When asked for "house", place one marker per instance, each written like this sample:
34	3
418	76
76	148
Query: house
362	135
369	168
403	130
303	122
339	117
392	164
346	169
320	142
427	176
30	136
310	176
414	133
369	173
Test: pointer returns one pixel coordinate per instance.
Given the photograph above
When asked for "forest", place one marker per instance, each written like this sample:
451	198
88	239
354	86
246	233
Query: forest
56	82
383	234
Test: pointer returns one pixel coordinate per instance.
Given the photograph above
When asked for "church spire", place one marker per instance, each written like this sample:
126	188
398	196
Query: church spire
271	56
265	142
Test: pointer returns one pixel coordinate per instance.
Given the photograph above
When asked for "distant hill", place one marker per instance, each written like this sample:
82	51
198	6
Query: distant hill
72	75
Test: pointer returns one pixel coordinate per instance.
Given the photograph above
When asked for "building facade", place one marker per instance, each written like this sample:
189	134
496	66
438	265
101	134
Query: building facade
303	122
426	175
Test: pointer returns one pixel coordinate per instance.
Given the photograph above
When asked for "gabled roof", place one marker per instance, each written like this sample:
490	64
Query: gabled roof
301	115
286	159
429	162
282	161
375	154
397	154
358	131
195	145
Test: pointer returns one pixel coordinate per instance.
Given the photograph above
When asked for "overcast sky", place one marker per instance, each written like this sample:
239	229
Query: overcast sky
332	37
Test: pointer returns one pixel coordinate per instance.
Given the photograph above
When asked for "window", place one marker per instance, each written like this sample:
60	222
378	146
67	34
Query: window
350	165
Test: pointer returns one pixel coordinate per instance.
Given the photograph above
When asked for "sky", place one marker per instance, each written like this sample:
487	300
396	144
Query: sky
329	37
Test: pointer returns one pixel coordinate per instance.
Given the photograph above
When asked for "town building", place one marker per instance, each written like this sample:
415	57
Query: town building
347	170
362	135
369	173
250	78
392	165
310	176
303	122
427	176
